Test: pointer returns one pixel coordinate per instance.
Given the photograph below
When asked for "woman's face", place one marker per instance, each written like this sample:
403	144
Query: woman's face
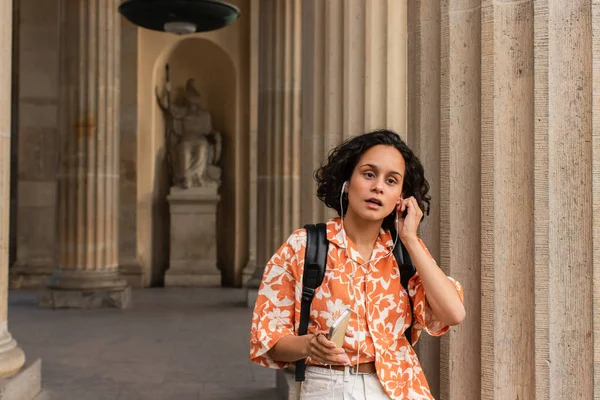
376	183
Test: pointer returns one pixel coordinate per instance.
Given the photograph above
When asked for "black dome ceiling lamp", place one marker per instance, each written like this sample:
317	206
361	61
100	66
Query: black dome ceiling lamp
179	16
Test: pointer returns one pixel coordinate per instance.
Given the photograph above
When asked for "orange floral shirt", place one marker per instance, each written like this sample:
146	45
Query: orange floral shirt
373	290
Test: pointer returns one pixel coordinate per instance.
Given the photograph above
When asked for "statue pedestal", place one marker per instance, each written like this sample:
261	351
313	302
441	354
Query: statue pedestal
193	258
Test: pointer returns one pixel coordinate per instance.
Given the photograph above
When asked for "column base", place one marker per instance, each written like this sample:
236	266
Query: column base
30	274
87	299
25	385
12	357
86	280
85	289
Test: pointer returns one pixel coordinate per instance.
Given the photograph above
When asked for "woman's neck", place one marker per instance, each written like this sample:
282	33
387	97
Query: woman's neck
362	233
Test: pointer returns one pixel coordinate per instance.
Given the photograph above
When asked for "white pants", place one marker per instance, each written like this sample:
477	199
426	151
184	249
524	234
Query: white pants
326	384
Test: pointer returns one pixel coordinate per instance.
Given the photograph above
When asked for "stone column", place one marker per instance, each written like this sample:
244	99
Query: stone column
507	193
129	263
15	382
11	356
567	200
424	66
444	130
88	178
255	30
278	136
460	123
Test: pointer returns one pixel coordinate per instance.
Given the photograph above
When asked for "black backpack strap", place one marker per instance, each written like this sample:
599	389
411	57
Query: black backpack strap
315	262
407	271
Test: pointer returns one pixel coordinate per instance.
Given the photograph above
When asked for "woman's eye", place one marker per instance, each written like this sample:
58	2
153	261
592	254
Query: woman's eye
369	174
391	181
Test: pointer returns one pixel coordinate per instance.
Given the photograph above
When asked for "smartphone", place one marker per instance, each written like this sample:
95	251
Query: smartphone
338	329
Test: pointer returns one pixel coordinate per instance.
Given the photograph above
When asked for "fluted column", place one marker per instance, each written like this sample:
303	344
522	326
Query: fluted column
354	66
444	129
278	137
88	173
567	195
519	158
255	46
507	193
460	243
424	66
595	149
12	357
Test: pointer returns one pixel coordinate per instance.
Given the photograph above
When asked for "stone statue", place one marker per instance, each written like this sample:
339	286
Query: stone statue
193	147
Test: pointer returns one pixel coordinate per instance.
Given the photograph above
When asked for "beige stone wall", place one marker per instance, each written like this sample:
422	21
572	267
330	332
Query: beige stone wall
231	45
128	258
37	142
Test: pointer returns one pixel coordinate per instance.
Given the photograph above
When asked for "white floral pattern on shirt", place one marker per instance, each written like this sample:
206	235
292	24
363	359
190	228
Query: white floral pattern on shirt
372	290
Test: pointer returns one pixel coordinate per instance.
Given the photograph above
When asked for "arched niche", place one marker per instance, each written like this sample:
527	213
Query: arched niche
217	78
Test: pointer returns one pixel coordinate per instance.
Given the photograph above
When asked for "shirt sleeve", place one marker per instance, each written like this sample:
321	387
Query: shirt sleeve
424	317
274	310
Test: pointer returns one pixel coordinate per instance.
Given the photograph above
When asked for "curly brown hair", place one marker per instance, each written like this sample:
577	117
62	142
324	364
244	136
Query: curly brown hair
343	159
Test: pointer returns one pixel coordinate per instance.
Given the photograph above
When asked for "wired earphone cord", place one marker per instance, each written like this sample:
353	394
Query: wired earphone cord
355	266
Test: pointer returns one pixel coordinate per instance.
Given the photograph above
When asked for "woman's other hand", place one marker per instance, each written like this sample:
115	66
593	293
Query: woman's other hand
324	351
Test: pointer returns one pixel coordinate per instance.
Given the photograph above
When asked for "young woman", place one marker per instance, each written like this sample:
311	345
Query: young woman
368	180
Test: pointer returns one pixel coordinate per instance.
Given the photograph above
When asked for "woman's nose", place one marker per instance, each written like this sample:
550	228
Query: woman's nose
377	186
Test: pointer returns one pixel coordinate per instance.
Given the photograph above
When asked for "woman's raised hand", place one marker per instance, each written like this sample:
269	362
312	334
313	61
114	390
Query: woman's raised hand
407	227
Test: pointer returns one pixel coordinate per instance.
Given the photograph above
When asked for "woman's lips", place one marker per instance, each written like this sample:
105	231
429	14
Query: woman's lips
374	204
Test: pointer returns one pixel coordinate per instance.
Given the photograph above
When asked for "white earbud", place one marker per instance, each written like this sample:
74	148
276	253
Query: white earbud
344	186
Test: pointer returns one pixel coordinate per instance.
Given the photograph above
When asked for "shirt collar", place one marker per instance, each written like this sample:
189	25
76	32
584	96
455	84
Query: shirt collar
337	236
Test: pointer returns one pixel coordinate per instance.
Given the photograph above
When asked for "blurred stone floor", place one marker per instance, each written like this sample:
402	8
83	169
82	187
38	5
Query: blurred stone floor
169	344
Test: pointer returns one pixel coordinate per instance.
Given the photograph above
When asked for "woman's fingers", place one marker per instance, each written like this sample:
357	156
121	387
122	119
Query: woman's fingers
415	206
324	341
325	352
412	205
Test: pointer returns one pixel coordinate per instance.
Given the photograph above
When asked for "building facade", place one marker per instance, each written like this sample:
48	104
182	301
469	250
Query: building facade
500	100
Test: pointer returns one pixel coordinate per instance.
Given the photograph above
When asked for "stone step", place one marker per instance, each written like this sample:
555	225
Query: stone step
25	385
